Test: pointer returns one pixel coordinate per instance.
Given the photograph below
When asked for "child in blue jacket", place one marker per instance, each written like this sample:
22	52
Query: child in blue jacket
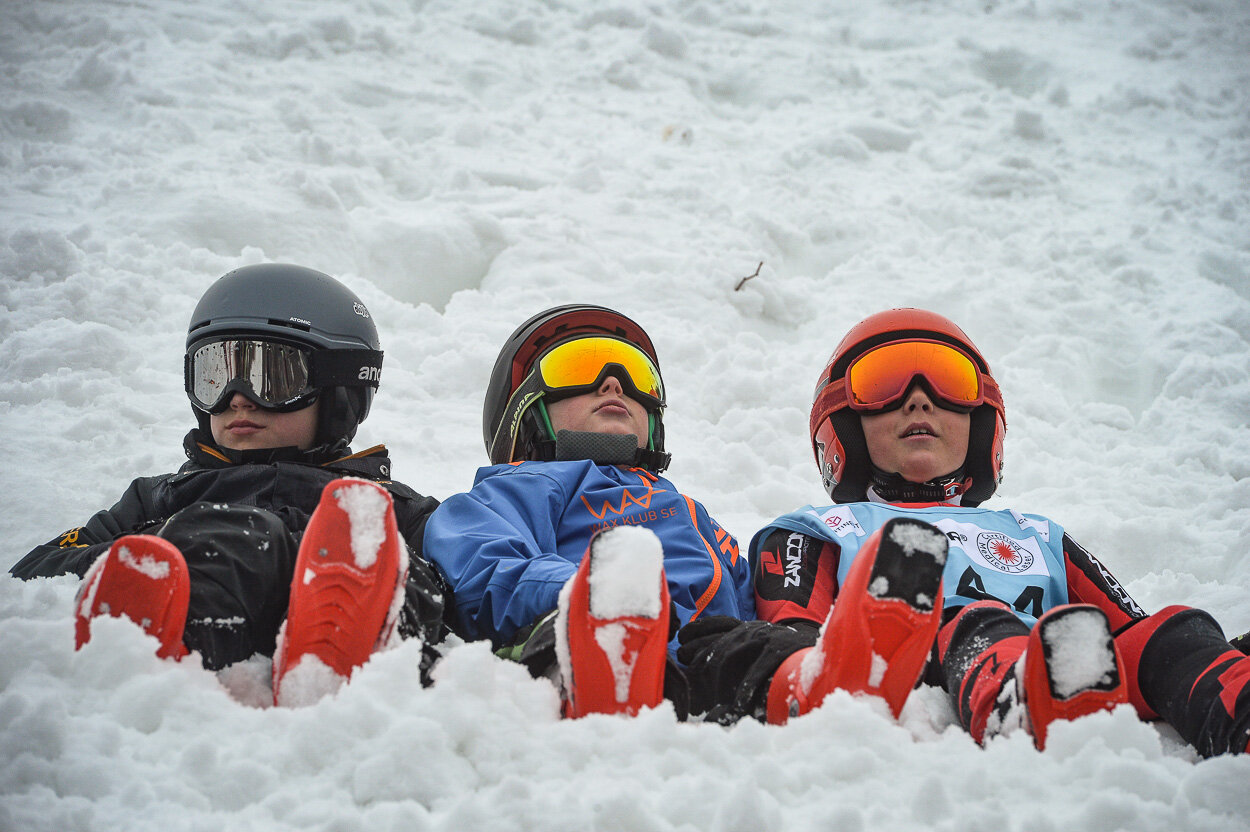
573	422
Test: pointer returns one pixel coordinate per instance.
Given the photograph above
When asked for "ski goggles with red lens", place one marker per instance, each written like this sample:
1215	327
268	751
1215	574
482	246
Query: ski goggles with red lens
274	375
579	366
881	377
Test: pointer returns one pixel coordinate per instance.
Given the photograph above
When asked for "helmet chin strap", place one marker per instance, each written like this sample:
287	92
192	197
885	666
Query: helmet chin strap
600	448
893	488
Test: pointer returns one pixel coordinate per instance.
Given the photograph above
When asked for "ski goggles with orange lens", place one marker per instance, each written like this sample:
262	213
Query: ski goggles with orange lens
881	377
579	366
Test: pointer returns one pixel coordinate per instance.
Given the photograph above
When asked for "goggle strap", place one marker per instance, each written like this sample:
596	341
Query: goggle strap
345	368
991	392
540	407
503	443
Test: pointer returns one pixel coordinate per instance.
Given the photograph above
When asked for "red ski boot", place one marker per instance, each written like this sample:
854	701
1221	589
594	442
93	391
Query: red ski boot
880	631
143	578
612	626
346	593
1070	668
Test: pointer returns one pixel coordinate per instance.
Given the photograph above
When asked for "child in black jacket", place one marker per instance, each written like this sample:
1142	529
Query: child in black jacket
280	367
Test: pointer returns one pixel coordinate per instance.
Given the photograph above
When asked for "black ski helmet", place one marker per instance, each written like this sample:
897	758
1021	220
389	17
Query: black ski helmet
838	436
302	306
525	436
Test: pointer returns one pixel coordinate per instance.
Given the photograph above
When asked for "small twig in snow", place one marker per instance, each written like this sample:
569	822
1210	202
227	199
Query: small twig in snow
743	281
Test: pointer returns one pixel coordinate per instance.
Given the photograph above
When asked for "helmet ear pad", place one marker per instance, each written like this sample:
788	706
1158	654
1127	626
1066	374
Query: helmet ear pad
202	420
534	440
984	465
846	466
341	411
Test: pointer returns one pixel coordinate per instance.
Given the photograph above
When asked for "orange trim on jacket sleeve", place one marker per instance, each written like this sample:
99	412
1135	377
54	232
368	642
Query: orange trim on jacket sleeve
710	593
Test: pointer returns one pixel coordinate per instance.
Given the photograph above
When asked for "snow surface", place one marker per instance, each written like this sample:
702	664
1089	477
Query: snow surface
625	580
1081	656
1068	180
365	505
145	565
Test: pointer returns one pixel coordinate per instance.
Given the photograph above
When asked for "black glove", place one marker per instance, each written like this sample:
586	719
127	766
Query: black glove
730	663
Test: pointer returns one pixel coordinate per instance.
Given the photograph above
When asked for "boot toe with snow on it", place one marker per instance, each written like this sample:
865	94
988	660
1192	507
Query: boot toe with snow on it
880	631
143	578
612	628
346	592
1070	668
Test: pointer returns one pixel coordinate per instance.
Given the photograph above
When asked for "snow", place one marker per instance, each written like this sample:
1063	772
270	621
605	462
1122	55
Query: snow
1068	181
365	505
306	682
913	539
612	640
625	578
1081	656
145	565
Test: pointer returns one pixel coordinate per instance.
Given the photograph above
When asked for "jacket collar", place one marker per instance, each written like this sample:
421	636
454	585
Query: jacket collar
371	462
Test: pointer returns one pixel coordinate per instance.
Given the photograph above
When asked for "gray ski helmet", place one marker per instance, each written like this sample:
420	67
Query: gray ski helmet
305	307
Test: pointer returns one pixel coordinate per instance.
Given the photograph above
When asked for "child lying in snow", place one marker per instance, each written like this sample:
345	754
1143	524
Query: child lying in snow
550	555
1024	625
273	517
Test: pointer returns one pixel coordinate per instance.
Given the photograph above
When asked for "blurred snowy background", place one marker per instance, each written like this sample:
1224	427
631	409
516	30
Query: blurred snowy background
1068	180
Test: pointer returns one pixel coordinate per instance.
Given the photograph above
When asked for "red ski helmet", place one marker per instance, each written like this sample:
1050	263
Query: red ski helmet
838	436
513	426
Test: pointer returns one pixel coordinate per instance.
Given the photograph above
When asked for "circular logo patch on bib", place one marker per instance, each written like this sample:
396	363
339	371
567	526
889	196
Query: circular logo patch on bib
1004	553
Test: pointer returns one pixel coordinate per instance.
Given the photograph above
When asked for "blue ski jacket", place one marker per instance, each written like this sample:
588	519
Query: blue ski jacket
508	546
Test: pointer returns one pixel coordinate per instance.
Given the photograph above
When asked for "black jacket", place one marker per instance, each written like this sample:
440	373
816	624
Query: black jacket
281	482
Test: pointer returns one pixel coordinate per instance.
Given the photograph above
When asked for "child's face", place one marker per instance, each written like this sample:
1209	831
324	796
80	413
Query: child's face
606	410
919	439
245	427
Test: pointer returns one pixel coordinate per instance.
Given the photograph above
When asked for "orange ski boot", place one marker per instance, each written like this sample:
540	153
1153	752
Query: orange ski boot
1070	668
880	631
612	628
346	592
143	578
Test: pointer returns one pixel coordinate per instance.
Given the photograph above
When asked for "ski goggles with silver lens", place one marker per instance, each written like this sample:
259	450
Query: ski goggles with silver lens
274	375
880	378
578	366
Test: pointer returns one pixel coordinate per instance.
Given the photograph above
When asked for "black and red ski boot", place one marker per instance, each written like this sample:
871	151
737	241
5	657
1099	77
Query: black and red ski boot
1065	667
1182	669
1070	668
881	629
